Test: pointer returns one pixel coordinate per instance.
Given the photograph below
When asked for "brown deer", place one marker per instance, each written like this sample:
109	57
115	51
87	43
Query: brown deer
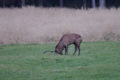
67	40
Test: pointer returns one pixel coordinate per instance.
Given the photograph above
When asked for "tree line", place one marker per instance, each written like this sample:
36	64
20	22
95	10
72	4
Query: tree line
60	3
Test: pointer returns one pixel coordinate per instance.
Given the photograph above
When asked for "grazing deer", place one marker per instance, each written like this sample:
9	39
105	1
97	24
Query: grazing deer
67	40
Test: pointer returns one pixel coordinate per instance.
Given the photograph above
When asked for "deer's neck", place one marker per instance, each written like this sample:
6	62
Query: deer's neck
60	46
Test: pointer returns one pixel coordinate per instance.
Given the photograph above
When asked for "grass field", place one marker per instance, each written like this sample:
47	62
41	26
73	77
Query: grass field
98	61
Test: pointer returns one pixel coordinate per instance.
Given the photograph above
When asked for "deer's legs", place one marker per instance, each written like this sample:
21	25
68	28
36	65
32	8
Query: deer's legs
75	49
61	53
79	50
66	50
78	41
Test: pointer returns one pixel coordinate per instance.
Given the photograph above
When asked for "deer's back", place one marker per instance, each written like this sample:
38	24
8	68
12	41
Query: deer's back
69	38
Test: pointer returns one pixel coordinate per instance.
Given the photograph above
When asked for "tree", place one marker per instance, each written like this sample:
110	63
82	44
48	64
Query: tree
40	3
93	4
23	2
4	3
84	4
102	3
61	3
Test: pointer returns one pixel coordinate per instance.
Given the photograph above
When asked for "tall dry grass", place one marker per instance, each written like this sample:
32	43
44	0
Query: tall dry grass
41	25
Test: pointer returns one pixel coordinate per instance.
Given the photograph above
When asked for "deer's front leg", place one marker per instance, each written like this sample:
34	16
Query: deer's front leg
79	50
66	50
61	53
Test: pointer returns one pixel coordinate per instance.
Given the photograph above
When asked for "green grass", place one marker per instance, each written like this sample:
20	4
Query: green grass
98	61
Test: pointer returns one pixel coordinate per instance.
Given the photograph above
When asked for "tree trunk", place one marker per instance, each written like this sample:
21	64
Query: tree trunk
84	4
61	3
4	3
40	3
102	3
93	4
23	2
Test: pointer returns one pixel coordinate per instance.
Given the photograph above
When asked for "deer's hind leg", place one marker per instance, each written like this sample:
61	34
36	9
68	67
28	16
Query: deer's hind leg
75	49
78	42
78	46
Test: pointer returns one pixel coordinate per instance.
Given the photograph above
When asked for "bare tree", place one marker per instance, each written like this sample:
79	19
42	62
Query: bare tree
23	2
40	3
4	3
102	3
84	4
93	4
61	3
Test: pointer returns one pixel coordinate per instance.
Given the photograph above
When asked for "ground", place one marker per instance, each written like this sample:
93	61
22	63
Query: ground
98	61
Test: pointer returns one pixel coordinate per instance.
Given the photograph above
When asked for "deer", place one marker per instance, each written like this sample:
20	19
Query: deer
65	41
